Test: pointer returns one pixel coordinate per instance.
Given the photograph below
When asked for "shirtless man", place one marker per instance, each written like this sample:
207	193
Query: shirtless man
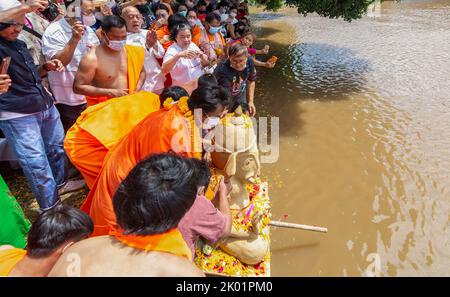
112	69
148	204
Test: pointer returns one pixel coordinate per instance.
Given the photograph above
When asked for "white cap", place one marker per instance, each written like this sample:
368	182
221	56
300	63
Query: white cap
7	4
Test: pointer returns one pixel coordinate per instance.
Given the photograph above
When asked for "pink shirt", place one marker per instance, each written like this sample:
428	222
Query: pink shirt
202	220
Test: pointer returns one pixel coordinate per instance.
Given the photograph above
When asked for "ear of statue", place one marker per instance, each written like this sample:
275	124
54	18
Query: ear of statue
230	167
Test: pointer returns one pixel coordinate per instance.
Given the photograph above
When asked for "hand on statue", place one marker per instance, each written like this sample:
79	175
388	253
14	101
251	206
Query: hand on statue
251	109
225	186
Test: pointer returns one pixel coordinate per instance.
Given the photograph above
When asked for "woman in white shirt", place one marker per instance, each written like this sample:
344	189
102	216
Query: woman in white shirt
183	59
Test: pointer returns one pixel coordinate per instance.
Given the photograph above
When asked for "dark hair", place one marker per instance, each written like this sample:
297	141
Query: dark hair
112	21
159	7
155	195
178	5
237	49
175	20
207	80
241	28
208	98
175	92
55	227
202	173
176	29
201	3
223	4
212	16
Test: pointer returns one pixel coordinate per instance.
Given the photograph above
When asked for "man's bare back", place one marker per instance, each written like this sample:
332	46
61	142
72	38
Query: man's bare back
105	256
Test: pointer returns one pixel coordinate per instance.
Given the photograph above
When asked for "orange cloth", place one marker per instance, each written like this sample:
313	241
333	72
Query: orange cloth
135	62
9	259
152	135
197	35
196	30
170	242
160	33
101	126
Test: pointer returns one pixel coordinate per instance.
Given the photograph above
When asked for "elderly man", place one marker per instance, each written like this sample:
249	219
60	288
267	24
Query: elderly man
113	69
29	119
154	81
68	40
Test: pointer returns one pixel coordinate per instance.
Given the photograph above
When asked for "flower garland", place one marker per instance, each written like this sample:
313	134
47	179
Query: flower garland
183	106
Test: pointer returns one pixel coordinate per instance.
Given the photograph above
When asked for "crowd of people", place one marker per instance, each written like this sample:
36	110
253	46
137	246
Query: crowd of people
89	91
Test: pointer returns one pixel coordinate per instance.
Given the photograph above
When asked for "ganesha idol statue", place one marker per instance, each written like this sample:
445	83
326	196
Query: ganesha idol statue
235	155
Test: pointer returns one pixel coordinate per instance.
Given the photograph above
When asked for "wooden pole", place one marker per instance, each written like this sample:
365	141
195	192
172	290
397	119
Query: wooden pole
298	226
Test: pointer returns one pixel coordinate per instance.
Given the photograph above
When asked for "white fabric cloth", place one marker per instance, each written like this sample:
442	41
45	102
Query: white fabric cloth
55	38
185	70
154	79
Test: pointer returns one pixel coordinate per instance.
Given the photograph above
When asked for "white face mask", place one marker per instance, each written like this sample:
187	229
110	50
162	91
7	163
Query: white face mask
233	15
116	45
89	20
211	123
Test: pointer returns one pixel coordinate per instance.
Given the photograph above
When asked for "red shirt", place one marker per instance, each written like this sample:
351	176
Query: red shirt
202	220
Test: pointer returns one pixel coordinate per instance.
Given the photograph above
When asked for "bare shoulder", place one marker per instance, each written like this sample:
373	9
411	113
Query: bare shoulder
78	252
178	266
90	58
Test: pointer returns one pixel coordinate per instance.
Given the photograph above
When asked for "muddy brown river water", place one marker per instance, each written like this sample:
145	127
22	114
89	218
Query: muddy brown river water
364	112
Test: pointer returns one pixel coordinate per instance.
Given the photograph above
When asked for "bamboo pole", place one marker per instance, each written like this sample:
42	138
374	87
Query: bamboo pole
298	226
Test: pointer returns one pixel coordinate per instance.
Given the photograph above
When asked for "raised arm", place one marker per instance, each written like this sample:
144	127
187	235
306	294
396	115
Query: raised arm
66	54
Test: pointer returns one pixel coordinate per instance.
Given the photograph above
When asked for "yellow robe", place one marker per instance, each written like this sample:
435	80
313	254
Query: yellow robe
101	126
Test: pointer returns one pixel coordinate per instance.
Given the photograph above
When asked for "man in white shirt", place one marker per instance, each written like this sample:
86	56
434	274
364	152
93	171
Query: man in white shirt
68	40
154	81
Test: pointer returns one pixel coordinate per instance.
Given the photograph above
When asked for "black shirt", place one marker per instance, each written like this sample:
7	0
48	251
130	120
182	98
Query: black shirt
232	80
26	93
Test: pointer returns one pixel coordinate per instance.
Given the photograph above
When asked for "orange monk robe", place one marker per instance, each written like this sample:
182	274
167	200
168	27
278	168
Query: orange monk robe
135	62
152	135
101	126
197	35
161	33
9	259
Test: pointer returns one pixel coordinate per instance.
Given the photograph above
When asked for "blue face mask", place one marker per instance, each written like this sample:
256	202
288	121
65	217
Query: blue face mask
214	30
183	13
